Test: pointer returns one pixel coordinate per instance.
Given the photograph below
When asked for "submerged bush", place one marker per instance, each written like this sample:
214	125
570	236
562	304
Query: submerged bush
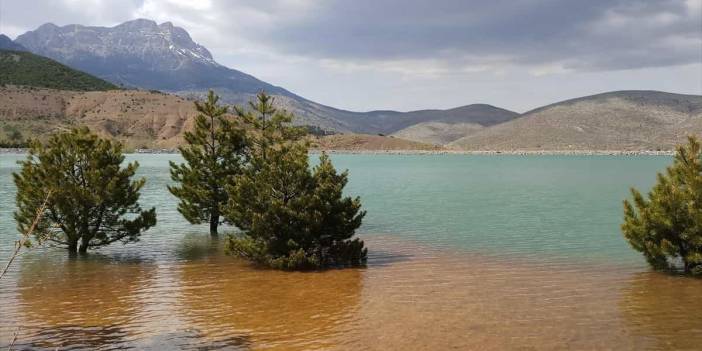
292	217
93	200
667	226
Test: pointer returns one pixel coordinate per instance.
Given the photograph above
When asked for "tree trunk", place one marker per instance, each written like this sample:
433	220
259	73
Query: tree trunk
73	247
686	266
214	223
83	246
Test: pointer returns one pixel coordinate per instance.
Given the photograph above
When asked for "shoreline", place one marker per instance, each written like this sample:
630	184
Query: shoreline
432	152
504	152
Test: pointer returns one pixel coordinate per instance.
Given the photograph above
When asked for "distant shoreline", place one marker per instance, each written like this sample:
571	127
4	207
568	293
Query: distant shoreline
435	152
506	152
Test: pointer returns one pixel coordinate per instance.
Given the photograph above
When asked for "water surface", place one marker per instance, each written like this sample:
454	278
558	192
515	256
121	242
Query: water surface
489	252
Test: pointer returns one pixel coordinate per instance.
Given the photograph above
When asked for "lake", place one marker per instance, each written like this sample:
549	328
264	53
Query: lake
465	252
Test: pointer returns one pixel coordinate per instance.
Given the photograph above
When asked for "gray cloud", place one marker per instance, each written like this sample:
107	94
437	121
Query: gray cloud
576	34
406	54
593	34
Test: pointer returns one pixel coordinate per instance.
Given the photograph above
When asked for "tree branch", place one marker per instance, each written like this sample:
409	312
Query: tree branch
25	236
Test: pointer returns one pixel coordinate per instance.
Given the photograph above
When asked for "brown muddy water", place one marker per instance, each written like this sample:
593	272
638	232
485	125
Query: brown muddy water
466	253
409	297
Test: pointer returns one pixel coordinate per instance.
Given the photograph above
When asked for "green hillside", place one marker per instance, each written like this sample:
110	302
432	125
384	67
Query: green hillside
24	68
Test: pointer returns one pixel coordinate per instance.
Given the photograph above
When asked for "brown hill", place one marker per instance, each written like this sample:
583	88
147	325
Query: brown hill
140	119
624	120
366	142
438	133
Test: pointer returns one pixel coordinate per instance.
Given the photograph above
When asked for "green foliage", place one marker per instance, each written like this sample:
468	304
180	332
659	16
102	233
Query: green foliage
13	138
268	127
291	217
667	227
215	153
93	200
24	68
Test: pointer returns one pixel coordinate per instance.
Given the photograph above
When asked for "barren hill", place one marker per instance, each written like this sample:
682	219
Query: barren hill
441	127
438	133
365	142
623	120
138	118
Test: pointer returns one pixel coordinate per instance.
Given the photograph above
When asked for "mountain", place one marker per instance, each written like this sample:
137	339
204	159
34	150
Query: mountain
621	120
625	120
7	44
444	126
137	118
27	69
144	54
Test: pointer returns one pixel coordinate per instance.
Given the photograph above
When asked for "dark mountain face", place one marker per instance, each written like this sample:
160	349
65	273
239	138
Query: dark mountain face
142	54
27	69
7	44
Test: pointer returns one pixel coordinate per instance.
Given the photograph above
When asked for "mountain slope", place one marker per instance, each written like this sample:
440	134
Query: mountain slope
438	133
137	118
141	53
366	142
144	54
622	120
24	68
7	44
442	127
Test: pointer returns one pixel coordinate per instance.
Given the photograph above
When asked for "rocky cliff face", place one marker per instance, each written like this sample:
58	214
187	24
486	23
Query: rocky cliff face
140	53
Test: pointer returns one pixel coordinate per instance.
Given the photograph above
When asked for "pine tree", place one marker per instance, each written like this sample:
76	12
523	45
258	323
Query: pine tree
334	218
215	153
291	217
93	200
268	127
667	227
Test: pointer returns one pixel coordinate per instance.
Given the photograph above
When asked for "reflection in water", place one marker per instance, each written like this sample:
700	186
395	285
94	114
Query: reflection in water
664	312
410	297
223	297
438	300
82	302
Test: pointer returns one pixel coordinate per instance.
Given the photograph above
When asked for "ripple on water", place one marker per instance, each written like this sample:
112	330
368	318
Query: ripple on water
409	297
465	253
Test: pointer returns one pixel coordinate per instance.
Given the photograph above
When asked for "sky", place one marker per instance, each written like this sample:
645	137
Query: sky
414	54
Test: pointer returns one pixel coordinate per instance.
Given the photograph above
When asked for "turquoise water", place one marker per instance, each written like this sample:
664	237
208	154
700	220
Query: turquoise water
465	252
565	206
534	206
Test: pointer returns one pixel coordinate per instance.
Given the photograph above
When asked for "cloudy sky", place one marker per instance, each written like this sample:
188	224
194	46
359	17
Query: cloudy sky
413	54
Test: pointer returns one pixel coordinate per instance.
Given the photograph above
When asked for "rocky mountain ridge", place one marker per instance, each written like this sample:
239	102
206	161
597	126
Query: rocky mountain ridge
147	55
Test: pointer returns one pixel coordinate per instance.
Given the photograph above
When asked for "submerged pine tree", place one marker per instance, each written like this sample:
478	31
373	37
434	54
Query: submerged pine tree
93	200
214	154
667	227
292	217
